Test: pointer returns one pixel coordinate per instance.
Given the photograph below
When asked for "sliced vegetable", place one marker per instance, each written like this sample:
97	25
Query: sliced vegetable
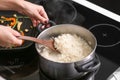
19	25
31	27
22	33
12	19
2	21
26	30
15	15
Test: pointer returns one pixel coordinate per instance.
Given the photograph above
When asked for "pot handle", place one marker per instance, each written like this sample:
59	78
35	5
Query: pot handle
42	27
90	67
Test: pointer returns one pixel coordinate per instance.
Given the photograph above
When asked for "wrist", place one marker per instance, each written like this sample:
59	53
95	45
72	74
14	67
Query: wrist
11	4
19	5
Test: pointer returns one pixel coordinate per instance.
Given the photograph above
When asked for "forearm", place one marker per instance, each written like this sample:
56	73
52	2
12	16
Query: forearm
15	5
26	8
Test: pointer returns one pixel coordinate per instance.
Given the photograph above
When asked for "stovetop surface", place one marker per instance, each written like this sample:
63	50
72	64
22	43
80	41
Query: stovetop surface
112	5
105	30
107	49
106	69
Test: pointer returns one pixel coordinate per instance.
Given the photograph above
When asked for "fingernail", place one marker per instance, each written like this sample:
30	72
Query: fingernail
46	22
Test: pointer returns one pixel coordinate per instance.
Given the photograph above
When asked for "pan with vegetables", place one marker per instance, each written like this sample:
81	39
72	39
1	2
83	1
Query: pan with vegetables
20	23
22	54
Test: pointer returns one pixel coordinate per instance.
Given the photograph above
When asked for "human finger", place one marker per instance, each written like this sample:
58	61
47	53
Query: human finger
44	14
15	40
34	22
42	19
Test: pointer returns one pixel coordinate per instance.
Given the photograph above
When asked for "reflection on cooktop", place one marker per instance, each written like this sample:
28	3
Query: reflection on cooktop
112	5
11	73
102	74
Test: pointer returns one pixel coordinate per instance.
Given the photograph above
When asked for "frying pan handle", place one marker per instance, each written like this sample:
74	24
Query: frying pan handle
42	27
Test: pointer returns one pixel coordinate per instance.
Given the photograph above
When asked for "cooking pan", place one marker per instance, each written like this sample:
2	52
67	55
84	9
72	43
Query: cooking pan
22	54
19	56
26	24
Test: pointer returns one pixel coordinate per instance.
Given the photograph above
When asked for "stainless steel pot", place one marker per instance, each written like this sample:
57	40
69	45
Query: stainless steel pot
72	70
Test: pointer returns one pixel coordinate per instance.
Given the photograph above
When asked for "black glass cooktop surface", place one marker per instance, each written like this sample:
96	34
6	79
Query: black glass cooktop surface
112	5
106	69
105	30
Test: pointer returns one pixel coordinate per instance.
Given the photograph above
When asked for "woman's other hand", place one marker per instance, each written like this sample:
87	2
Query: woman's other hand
8	37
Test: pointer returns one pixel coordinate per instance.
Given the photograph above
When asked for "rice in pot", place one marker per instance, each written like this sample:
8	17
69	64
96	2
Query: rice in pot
72	48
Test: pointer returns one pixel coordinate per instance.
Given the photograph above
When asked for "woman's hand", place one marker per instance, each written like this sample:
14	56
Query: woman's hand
8	37
34	11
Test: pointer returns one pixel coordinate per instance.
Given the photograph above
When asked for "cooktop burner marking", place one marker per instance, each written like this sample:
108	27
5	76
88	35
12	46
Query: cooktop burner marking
107	34
104	34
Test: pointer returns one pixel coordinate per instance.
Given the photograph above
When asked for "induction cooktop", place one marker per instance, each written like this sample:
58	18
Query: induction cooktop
105	25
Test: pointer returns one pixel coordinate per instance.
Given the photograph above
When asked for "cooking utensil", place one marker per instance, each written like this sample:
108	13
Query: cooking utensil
71	70
49	43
